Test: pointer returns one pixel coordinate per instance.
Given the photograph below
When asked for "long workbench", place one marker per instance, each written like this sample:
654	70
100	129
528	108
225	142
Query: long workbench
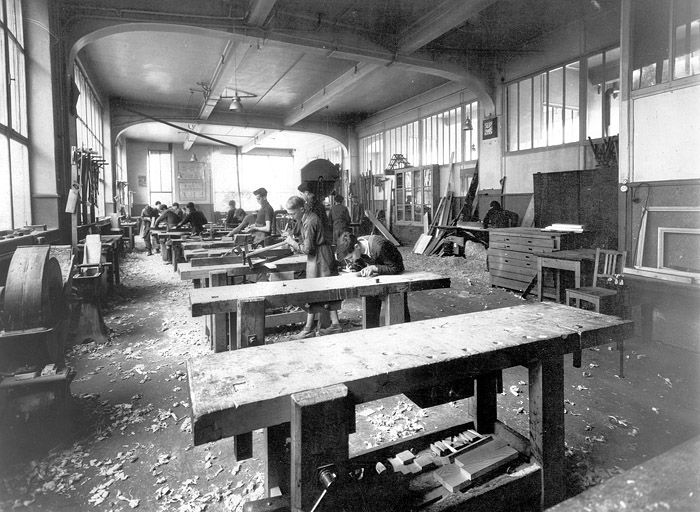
289	264
234	393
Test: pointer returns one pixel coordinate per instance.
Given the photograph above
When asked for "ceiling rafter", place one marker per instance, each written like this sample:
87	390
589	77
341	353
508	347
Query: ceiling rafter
232	57
258	11
256	140
447	16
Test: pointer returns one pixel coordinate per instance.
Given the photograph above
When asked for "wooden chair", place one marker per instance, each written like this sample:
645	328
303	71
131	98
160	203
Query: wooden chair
608	267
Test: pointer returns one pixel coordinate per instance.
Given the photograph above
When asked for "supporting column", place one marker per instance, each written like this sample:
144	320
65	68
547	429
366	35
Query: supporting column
250	330
321	421
482	406
218	330
371	308
276	460
546	385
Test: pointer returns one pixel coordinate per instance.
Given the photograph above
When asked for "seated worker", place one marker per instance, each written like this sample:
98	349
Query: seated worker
319	258
339	217
265	219
169	215
371	255
234	216
195	218
248	220
497	217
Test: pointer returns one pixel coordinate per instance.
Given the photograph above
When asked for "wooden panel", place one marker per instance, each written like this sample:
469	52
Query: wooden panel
431	352
524	277
206	301
511	284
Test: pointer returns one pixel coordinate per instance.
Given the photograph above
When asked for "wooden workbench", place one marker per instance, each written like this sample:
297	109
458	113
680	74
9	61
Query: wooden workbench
294	263
234	393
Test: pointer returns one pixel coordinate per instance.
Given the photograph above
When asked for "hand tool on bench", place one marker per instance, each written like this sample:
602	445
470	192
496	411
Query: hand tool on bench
258	252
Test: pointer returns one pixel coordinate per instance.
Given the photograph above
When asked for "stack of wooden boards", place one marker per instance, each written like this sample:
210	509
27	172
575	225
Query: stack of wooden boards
459	459
430	242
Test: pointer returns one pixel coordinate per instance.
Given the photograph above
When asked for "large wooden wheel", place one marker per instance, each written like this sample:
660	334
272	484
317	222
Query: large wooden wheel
34	290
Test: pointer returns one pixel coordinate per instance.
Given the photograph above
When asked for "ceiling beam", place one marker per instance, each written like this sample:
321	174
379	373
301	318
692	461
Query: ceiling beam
231	57
257	139
448	15
258	12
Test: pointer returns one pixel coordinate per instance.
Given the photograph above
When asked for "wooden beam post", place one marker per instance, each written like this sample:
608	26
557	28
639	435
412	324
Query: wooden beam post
371	309
482	406
276	459
250	330
218	331
320	423
394	308
546	385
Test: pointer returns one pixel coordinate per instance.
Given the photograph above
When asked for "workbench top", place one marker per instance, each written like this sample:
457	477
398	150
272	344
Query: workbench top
296	262
224	299
244	390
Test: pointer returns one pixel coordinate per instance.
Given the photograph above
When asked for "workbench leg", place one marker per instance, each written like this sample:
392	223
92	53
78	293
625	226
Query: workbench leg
218	332
232	326
371	308
320	424
276	459
250	330
394	308
482	406
546	385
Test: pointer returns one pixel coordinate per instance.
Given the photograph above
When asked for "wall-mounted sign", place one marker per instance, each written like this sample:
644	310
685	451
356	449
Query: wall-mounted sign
489	128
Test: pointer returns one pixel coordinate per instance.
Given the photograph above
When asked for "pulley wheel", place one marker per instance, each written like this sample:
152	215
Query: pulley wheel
34	289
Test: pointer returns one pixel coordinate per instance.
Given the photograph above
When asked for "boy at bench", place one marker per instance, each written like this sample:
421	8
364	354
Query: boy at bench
371	255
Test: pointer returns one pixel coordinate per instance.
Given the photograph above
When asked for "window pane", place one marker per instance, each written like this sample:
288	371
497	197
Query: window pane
18	90
5	188
571	100
512	117
686	50
650	41
594	96
14	19
525	114
612	92
555	106
3	82
539	112
21	197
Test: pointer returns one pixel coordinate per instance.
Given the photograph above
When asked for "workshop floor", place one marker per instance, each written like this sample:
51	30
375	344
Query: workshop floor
125	442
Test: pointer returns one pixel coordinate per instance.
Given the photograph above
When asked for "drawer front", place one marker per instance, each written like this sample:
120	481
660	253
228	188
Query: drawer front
539	241
514	247
511	284
518	259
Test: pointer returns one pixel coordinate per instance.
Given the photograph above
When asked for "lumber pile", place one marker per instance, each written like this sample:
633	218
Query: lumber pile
431	241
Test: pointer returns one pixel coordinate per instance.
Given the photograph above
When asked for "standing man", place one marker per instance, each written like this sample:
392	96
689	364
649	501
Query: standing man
147	215
339	218
195	218
170	216
179	211
265	220
234	216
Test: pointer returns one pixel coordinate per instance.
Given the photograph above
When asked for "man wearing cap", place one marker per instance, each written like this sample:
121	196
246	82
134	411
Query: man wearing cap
265	220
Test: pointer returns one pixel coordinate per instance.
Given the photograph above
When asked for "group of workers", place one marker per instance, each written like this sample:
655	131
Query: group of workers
325	238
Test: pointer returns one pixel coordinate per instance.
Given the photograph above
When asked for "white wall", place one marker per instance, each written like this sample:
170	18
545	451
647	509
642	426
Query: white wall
666	136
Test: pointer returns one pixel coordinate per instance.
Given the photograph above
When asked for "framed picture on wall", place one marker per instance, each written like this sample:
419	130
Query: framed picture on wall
489	128
142	181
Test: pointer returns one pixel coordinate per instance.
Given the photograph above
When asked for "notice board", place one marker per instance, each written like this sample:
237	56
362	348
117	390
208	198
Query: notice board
191	182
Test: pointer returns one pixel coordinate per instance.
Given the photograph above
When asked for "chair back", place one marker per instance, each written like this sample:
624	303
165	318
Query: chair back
608	263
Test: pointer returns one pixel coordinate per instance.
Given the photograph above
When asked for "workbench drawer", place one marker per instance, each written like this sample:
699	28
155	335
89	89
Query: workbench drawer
526	240
524	259
523	246
512	284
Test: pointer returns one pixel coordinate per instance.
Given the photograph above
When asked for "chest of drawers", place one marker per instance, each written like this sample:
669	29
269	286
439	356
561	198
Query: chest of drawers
512	254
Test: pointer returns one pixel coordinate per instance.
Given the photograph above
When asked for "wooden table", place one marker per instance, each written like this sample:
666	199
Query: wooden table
295	263
569	260
111	245
163	236
245	304
474	231
312	383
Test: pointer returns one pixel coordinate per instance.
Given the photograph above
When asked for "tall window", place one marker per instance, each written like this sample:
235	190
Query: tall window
160	177
89	120
655	25
436	139
15	193
414	194
543	110
603	94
